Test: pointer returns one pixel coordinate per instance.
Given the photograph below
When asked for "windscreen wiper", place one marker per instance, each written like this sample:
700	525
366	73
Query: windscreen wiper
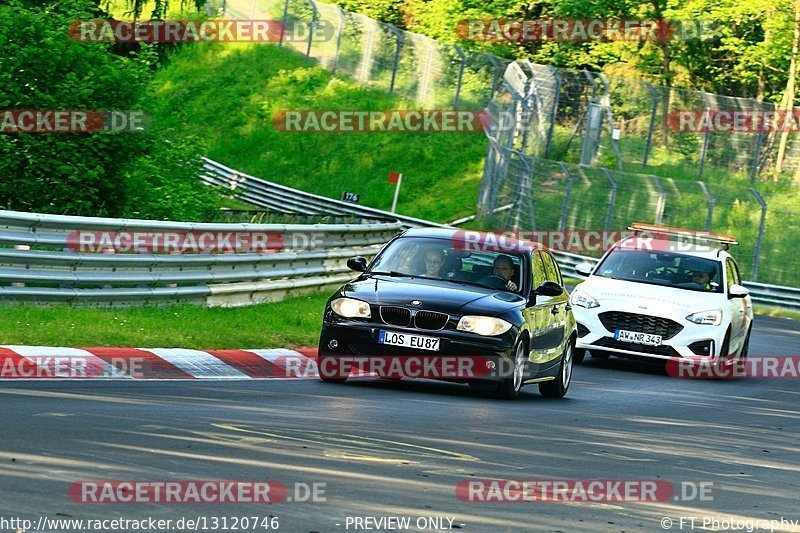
394	274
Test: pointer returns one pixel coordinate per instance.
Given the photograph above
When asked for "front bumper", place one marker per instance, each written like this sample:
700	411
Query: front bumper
692	340
360	339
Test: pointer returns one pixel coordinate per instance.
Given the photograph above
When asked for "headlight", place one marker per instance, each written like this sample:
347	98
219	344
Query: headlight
583	300
483	325
711	318
350	308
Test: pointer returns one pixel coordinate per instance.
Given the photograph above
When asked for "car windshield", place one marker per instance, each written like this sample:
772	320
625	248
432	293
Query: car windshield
444	259
663	268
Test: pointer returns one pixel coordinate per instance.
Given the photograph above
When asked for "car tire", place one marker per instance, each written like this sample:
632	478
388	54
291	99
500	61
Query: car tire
328	377
745	349
509	388
558	387
737	365
578	356
726	343
740	364
724	360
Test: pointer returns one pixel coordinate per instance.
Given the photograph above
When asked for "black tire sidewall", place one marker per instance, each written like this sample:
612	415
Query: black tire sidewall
556	388
505	390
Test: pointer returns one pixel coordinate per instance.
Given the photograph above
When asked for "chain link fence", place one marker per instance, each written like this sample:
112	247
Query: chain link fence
582	149
638	129
635	119
435	75
524	190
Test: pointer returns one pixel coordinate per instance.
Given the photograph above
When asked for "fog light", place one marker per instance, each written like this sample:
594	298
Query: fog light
490	365
333	344
702	347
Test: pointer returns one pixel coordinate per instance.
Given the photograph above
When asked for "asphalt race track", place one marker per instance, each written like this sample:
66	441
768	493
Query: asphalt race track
400	448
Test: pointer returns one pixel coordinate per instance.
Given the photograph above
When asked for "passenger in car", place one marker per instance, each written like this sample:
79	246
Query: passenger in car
434	261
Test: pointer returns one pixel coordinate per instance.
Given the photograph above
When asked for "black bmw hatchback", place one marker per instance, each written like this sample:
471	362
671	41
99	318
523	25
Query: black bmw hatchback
435	294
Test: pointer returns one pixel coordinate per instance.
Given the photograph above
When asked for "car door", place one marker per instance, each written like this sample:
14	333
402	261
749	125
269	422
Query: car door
545	339
737	307
557	308
537	317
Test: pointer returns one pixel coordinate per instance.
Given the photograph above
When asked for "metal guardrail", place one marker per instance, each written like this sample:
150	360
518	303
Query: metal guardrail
43	267
37	263
285	199
774	295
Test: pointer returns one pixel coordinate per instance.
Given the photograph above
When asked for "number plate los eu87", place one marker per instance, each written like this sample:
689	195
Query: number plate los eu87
409	341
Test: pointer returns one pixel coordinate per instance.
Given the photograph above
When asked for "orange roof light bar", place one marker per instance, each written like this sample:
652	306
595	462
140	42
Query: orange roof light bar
683	232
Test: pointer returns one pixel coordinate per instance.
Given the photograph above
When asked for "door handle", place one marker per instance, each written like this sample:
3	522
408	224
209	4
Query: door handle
554	310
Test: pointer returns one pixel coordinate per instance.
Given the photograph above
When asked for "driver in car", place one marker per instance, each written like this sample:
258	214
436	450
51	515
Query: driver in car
503	269
700	277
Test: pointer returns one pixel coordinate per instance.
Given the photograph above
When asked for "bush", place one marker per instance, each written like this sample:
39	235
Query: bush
95	174
165	187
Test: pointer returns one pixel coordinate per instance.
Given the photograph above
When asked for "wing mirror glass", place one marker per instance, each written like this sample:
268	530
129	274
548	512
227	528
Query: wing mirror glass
738	291
584	269
358	263
548	288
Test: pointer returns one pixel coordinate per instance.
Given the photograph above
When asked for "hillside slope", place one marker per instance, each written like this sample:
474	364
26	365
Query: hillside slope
226	94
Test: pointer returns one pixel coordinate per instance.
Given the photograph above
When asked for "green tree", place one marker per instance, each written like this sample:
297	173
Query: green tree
41	68
158	8
734	47
385	10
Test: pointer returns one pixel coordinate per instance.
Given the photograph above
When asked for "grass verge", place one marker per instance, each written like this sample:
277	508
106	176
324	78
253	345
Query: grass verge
776	311
291	323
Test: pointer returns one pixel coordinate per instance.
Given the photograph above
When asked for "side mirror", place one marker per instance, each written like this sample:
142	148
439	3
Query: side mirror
584	269
358	263
549	288
738	291
531	299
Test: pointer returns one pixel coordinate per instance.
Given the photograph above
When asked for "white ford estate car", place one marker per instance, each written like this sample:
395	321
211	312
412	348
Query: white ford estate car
662	297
